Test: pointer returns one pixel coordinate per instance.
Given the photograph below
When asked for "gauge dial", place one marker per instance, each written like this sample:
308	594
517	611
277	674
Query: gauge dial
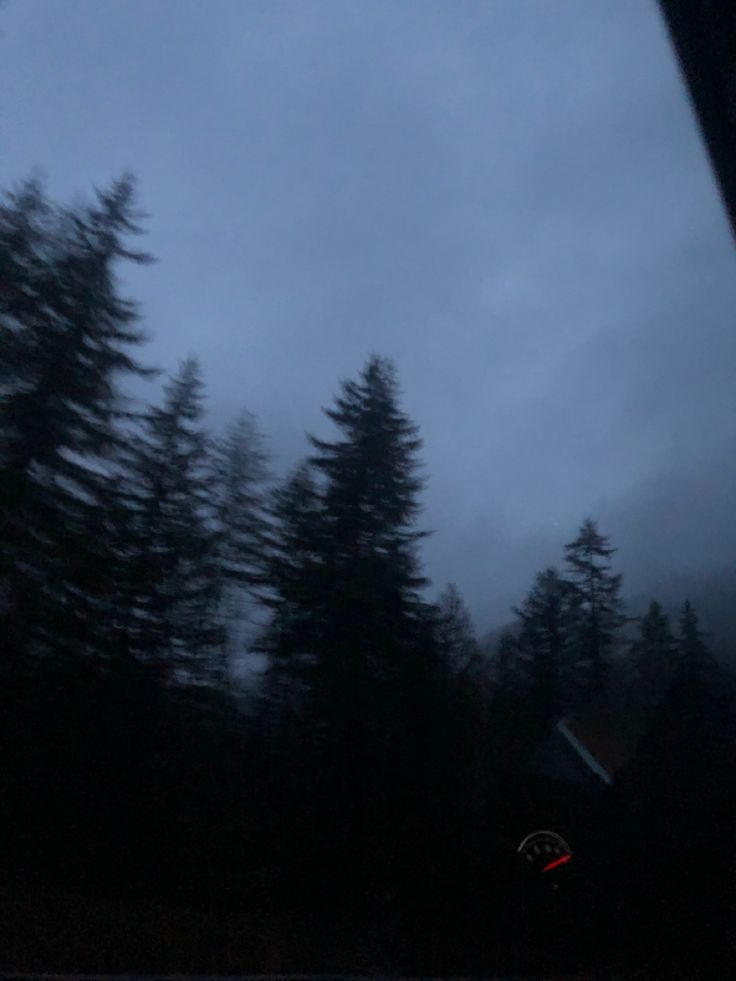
544	851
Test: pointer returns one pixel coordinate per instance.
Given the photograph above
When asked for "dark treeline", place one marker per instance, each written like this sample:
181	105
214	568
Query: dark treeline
359	807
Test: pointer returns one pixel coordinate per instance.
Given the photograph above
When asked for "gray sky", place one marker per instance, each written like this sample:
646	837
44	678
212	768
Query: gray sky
510	197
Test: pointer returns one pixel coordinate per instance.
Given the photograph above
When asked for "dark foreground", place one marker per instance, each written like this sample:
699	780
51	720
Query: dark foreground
55	935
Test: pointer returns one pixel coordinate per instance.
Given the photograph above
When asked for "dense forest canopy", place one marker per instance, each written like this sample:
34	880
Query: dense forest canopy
367	789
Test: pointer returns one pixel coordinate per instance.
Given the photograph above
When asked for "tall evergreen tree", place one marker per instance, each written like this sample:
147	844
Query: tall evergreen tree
355	637
239	470
371	566
544	643
456	633
653	653
175	586
295	594
67	333
29	238
595	594
694	659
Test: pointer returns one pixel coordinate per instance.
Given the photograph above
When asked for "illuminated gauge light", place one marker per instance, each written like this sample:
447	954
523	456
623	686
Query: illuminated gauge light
562	860
545	851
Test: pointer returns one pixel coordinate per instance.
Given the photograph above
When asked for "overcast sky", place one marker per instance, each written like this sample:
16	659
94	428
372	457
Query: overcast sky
509	197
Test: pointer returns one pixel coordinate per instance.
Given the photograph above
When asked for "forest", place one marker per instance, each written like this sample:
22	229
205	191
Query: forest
356	806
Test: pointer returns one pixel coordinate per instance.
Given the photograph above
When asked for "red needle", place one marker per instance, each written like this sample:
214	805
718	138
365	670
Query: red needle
558	861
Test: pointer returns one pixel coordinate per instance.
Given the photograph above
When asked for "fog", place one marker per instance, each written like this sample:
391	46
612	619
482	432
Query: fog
511	200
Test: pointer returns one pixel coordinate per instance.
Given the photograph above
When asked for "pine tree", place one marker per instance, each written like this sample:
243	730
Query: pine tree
295	596
653	653
694	659
67	333
28	239
294	599
595	600
25	280
175	586
456	634
371	484
239	470
368	656
544	643
356	682
353	667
